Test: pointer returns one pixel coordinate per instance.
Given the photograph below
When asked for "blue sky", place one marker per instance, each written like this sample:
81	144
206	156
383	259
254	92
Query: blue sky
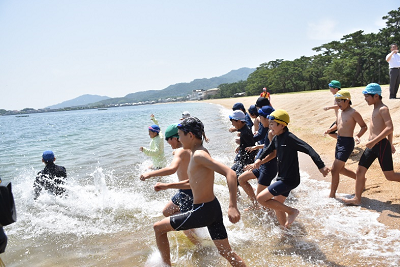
56	50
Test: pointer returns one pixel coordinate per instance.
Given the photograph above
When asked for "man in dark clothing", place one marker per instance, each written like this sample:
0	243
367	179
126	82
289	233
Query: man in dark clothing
52	178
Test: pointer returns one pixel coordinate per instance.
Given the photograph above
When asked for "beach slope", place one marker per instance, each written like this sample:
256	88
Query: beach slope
309	121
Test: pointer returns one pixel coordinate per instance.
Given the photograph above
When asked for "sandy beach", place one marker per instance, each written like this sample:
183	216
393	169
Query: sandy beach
309	121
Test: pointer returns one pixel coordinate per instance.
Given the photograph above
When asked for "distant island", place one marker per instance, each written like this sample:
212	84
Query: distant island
195	90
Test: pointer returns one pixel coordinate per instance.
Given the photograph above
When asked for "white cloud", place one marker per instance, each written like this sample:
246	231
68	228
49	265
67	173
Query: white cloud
323	30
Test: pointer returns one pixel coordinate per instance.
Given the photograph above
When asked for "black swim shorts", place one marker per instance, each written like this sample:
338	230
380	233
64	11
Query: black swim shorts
344	147
266	173
183	199
383	151
206	214
279	188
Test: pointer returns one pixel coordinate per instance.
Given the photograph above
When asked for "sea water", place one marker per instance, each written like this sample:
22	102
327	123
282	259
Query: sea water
107	218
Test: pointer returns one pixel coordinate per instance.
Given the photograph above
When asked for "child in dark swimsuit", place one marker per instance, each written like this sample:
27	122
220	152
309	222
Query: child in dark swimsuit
284	146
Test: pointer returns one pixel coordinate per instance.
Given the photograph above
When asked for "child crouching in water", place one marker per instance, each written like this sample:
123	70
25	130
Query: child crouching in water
286	146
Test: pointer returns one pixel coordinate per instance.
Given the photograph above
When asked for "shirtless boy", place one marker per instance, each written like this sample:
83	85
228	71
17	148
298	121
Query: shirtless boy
379	143
334	87
347	118
182	201
284	146
206	209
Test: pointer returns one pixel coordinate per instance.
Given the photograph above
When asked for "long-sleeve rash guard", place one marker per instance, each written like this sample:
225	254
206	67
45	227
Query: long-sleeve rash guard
287	145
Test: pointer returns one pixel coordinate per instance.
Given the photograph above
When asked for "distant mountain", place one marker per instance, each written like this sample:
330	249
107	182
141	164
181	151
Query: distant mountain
82	100
181	89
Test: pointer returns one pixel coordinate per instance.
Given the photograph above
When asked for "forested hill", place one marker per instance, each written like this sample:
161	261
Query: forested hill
182	89
355	60
79	101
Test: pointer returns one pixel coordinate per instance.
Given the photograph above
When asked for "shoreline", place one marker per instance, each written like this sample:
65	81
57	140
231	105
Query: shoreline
308	121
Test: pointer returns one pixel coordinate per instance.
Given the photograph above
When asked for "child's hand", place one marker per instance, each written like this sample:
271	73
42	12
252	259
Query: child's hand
325	170
357	140
393	149
248	167
232	129
250	148
233	214
326	108
144	176
159	187
141	149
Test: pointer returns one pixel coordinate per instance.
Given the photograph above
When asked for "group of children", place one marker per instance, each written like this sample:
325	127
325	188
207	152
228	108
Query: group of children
195	204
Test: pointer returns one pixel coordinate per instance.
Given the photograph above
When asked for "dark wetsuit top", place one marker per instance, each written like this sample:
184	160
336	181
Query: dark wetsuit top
248	120
287	145
261	133
267	171
50	179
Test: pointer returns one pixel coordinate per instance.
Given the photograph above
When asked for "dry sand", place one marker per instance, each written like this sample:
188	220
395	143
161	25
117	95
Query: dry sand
309	121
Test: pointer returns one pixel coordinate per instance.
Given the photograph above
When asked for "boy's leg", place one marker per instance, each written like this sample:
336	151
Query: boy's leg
348	173
392	176
265	199
225	250
243	181
280	215
337	166
360	185
170	209
161	229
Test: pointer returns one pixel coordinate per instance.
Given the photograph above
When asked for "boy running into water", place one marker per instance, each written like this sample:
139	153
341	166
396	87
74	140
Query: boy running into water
379	145
245	140
347	118
267	172
206	208
334	87
182	201
284	146
156	150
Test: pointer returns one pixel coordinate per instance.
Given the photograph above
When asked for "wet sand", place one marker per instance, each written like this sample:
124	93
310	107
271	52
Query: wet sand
309	121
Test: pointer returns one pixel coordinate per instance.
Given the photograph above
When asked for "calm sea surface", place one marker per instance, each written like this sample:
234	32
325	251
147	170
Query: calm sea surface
108	216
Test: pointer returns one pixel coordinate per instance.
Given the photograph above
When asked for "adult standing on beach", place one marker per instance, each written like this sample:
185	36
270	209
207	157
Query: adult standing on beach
393	58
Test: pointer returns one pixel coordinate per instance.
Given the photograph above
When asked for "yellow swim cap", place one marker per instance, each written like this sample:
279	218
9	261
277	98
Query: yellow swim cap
343	94
280	116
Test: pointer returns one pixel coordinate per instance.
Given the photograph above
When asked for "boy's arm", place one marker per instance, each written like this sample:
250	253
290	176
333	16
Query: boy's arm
154	149
178	185
216	166
357	117
331	107
384	112
390	138
302	146
332	128
154	119
171	169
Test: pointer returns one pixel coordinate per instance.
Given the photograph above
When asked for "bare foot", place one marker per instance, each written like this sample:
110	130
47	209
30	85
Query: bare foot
291	217
351	201
252	207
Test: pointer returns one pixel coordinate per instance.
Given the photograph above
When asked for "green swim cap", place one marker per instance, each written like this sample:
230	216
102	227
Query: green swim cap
171	131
